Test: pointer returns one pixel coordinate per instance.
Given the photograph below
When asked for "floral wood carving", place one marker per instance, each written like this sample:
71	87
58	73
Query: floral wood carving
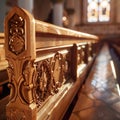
21	80
16	34
57	70
51	74
43	83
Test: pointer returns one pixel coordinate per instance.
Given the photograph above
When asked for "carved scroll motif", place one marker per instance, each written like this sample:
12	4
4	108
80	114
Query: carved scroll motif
21	80
26	84
16	34
12	82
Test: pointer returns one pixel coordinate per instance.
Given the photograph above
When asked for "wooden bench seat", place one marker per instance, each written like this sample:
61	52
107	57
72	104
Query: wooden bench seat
47	66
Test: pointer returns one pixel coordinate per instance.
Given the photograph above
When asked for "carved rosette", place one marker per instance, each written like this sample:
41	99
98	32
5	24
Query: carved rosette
16	38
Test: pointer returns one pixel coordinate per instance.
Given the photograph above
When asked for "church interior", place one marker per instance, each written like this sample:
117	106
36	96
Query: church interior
60	60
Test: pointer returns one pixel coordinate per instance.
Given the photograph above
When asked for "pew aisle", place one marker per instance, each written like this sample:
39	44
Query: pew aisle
99	98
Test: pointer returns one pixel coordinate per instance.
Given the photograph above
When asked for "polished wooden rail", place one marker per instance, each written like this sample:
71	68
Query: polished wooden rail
47	66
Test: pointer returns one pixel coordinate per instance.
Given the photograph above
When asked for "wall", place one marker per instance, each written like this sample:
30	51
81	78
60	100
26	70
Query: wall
42	9
104	30
5	6
117	6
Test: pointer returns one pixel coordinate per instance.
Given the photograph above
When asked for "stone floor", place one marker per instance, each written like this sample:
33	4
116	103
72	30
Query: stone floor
99	98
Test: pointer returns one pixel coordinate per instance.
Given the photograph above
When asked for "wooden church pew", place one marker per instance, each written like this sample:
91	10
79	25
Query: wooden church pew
47	66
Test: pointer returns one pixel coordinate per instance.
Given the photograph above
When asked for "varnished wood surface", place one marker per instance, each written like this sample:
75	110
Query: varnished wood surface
58	36
52	29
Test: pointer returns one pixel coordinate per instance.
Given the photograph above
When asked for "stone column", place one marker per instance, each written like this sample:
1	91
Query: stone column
26	4
57	12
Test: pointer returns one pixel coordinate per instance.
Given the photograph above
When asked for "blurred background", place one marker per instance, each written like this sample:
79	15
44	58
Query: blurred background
99	17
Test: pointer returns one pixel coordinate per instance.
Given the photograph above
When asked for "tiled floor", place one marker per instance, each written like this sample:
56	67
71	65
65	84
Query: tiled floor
98	98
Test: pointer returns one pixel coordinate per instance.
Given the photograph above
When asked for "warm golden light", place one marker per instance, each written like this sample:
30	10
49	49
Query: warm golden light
115	77
64	18
118	88
113	69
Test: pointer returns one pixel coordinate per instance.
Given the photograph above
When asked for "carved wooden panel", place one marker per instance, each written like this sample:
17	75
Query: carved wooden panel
43	81
51	74
16	34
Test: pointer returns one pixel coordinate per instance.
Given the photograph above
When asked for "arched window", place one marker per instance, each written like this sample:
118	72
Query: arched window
98	10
